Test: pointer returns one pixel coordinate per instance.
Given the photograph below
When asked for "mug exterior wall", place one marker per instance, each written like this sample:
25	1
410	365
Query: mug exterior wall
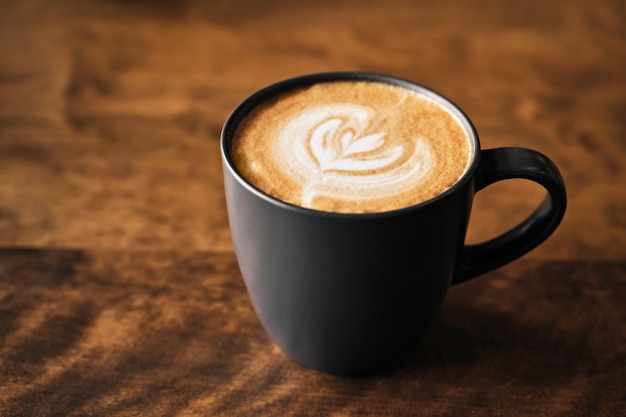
346	294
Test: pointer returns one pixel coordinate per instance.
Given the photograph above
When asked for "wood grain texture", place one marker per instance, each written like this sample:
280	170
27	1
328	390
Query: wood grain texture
119	290
166	333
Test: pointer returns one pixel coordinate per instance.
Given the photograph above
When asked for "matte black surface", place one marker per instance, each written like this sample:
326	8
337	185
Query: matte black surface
353	293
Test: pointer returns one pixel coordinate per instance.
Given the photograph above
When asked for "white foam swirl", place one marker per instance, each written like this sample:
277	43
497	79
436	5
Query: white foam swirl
335	151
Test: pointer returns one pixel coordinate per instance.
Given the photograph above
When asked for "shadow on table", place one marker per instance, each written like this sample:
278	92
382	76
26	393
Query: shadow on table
533	323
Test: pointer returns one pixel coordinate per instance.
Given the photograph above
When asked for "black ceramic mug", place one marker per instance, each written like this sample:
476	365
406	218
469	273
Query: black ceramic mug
352	293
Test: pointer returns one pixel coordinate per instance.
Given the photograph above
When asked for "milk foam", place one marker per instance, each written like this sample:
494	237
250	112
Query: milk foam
351	147
332	153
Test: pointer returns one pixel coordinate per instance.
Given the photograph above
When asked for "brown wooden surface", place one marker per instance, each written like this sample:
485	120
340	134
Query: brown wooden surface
119	291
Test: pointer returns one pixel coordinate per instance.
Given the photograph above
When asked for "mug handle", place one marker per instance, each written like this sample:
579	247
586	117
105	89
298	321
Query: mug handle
507	163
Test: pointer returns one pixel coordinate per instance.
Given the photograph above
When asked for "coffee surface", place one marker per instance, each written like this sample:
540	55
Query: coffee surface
351	147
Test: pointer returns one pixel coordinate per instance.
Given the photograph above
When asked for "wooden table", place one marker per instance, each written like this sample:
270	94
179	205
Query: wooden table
119	290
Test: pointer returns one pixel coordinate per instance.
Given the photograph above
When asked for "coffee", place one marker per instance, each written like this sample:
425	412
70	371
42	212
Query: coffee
352	147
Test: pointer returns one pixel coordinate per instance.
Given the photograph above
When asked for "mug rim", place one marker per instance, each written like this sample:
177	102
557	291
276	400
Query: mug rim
272	90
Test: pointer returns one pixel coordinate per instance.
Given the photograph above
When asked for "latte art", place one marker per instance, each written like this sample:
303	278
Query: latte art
329	148
351	147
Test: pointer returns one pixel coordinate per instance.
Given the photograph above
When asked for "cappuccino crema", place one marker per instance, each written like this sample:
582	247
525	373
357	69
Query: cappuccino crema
352	147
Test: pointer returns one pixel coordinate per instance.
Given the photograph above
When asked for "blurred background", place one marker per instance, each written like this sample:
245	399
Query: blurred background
110	111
